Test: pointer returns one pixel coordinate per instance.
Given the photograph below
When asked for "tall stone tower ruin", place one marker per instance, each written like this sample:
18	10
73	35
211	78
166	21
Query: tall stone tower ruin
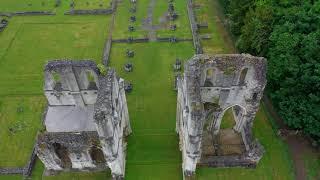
209	87
86	121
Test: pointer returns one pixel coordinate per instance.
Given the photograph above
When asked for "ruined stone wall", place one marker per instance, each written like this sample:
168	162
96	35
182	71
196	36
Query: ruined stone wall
194	28
73	86
65	148
211	85
89	12
112	120
67	151
27	13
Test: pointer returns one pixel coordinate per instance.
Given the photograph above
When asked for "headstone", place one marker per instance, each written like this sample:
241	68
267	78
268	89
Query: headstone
173	27
173	39
133	9
128	67
72	4
130	39
3	24
133	18
131	28
130	53
177	65
58	2
171	8
128	87
173	16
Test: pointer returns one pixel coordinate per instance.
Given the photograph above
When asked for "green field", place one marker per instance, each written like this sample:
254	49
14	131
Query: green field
123	20
20	119
161	7
92	4
220	41
275	163
153	151
28	5
153	147
26	45
312	163
29	44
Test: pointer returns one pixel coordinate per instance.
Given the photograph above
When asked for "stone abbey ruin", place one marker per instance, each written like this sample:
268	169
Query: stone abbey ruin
209	87
86	121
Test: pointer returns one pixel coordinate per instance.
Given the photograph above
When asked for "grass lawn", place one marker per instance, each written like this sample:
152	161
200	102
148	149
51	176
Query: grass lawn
161	7
20	119
312	164
275	164
183	27
28	5
220	41
92	4
38	172
123	20
28	45
228	120
25	46
153	147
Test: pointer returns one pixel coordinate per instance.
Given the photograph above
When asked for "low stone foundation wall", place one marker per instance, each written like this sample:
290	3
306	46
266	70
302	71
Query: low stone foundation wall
11	171
28	168
233	161
194	28
106	52
90	12
144	40
170	39
129	40
249	159
25	171
27	13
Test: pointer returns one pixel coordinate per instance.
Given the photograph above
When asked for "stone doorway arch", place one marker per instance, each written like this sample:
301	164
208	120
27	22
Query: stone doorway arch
238	115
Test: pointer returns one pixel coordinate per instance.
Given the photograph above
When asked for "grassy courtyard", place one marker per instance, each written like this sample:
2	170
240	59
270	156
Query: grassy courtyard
92	4
28	5
152	148
20	119
159	13
26	45
153	151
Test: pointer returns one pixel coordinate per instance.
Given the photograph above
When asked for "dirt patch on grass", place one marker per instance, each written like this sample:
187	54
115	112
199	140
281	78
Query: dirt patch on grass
299	145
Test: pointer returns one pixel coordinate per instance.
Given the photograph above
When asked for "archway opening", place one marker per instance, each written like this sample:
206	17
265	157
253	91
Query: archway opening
57	81
227	142
228	120
63	155
209	78
91	81
96	155
243	75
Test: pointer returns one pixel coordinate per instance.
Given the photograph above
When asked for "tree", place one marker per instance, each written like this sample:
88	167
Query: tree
255	33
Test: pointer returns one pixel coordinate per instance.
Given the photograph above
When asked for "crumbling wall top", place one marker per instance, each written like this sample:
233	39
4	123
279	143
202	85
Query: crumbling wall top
61	64
229	62
103	105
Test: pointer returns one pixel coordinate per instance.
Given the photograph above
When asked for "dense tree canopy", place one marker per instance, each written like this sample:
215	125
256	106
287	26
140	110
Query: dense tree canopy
287	32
